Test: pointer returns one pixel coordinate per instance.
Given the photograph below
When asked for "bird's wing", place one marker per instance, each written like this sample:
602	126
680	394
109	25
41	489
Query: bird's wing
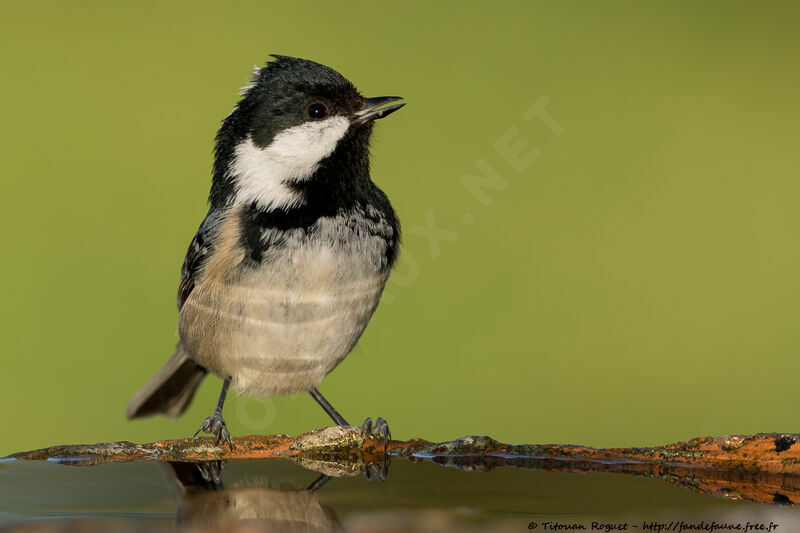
197	254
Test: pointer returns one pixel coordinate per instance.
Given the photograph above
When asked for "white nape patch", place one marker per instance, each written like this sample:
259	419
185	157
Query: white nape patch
253	81
246	87
261	174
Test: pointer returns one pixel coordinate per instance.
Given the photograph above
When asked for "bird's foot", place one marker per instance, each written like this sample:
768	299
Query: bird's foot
215	425
379	430
377	470
211	471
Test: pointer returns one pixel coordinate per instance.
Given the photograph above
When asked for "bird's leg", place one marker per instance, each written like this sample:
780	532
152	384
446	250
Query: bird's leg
378	429
318	483
215	424
333	413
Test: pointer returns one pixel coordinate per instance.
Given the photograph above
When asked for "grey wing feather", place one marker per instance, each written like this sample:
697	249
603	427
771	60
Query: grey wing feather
196	255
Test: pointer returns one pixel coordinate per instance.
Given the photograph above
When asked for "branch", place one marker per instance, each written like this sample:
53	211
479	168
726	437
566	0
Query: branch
752	467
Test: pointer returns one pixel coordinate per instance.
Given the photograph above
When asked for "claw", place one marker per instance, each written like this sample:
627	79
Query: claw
225	435
380	429
211	471
367	426
215	425
378	470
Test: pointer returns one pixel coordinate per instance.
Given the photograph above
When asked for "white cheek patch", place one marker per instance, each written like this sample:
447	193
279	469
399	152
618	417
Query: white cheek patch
261	174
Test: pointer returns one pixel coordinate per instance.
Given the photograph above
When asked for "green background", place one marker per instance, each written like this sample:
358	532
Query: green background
637	283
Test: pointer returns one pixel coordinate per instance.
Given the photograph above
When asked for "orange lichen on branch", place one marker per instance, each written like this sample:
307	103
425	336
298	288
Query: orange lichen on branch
764	452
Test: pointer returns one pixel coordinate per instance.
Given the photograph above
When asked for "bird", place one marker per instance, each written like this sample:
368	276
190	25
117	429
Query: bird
289	264
203	501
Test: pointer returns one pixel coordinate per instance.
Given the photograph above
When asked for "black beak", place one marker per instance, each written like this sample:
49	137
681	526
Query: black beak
373	108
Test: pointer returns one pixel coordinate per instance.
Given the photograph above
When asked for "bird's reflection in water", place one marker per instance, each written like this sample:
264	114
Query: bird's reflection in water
204	501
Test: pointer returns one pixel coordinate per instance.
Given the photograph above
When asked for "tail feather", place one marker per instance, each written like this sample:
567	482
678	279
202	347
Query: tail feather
171	390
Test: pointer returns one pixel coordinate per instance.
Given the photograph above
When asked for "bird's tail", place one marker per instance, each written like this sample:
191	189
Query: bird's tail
171	390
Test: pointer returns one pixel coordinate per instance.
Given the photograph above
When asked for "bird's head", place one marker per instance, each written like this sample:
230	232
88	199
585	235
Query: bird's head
297	122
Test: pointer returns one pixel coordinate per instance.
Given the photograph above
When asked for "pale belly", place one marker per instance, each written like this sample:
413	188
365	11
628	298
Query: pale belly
282	327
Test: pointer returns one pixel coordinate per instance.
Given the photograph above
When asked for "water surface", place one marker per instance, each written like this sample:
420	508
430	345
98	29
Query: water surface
416	495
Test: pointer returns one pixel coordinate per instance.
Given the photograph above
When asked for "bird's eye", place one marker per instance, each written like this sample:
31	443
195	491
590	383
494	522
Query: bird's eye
317	111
